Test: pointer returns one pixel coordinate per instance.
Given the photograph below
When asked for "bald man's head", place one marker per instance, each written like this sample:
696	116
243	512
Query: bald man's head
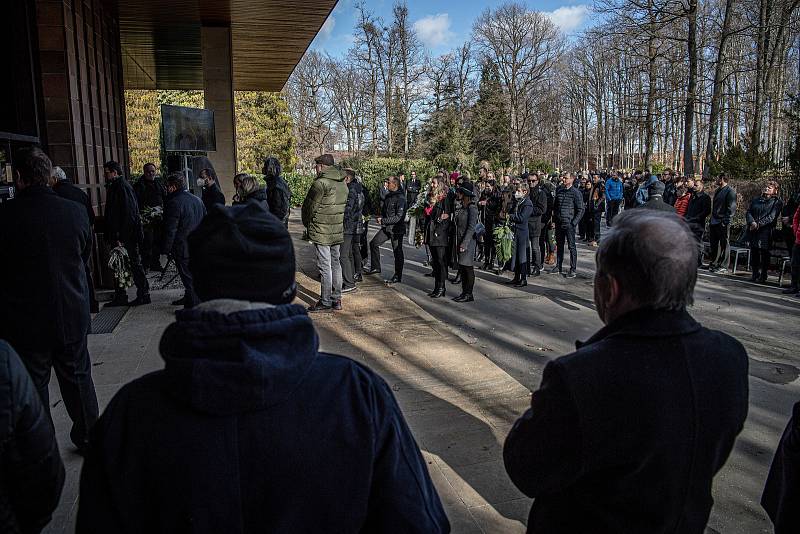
651	257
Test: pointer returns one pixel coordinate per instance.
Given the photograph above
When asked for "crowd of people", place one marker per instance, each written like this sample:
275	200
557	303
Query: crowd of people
250	427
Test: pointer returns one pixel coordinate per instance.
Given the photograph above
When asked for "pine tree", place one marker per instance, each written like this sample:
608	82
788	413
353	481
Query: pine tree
489	128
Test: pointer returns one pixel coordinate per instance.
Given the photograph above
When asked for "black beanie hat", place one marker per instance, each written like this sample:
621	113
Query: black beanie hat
656	188
244	253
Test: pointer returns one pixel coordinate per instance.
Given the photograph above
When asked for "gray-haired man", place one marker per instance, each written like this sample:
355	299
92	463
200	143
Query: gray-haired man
627	432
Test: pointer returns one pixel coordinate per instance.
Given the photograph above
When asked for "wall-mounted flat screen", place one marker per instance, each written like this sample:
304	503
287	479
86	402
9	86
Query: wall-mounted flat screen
188	129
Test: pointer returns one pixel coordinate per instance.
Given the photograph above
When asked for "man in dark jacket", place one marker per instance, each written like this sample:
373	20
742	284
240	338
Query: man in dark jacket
64	188
538	195
33	474
393	227
150	193
123	227
567	212
182	214
547	235
44	304
279	197
626	433
762	218
212	193
412	189
781	498
249	428
719	230
697	214
353	226
655	199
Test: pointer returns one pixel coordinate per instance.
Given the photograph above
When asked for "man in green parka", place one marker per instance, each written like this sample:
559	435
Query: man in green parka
323	216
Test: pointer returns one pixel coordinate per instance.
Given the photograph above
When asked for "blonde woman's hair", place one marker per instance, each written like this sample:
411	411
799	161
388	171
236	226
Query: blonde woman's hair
247	184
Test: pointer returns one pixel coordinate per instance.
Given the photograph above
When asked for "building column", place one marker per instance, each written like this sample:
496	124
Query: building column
218	96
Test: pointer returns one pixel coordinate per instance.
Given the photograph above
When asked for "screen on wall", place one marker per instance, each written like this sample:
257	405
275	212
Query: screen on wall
18	113
188	129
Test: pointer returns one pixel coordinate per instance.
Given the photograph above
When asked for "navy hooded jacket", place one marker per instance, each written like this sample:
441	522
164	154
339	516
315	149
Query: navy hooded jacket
250	429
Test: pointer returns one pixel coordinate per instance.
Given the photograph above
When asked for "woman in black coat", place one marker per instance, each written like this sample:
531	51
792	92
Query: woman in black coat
465	219
519	216
437	230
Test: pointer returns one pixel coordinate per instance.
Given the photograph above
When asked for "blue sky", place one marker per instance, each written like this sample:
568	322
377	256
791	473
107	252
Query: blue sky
441	24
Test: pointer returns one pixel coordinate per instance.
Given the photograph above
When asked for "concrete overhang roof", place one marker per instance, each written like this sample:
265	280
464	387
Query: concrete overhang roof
161	46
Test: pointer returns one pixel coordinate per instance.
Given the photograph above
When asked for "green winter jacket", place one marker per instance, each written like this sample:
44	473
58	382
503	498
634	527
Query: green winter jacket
323	208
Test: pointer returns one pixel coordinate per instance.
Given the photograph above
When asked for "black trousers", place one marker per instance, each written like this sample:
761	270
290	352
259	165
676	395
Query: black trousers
151	246
139	278
596	218
720	252
489	250
612	210
535	253
759	262
397	247
439	266
364	242
467	273
545	247
74	374
356	247
698	232
566	235
795	265
182	265
347	259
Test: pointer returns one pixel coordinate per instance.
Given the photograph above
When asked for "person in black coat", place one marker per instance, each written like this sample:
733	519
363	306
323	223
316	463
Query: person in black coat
626	433
123	227
781	497
353	226
44	304
520	216
212	194
465	220
150	193
33	474
249	427
437	232
413	188
64	188
547	235
279	198
393	228
538	196
182	214
697	214
491	201
723	209
567	212
762	218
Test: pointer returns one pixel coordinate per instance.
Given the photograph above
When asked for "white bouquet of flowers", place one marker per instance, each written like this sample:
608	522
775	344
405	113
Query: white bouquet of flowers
120	263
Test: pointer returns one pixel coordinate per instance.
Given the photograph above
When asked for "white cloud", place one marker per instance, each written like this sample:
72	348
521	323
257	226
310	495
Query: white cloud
327	29
569	18
434	30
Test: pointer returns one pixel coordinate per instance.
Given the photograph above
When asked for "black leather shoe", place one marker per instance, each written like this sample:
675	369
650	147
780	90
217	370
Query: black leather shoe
459	298
467	298
373	271
139	301
441	293
521	283
180	302
514	281
456	280
358	278
394	280
435	290
319	307
116	303
536	272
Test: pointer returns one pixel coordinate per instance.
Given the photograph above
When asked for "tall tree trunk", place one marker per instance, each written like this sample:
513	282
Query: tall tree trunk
651	102
688	128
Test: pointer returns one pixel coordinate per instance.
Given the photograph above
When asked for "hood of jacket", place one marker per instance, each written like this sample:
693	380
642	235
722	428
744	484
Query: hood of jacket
226	357
258	194
332	173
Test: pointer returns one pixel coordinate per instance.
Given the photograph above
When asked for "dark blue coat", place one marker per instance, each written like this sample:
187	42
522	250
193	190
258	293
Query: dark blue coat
45	242
182	214
122	220
568	207
249	428
626	434
32	471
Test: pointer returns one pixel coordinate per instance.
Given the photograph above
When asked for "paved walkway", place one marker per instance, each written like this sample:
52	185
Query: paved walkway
458	403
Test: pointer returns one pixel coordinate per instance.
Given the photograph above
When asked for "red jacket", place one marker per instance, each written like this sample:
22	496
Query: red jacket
796	225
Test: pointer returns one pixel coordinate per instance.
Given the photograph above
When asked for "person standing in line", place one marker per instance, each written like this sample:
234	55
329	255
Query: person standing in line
150	193
627	433
520	216
412	189
781	496
33	473
465	219
366	213
393	228
212	194
597	206
655	199
437	233
249	189
683	197
64	188
279	198
584	226
794	287
323	217
547	238
762	218
722	210
538	196
568	210
614	197
351	250
491	201
182	214
123	227
44	303
697	213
